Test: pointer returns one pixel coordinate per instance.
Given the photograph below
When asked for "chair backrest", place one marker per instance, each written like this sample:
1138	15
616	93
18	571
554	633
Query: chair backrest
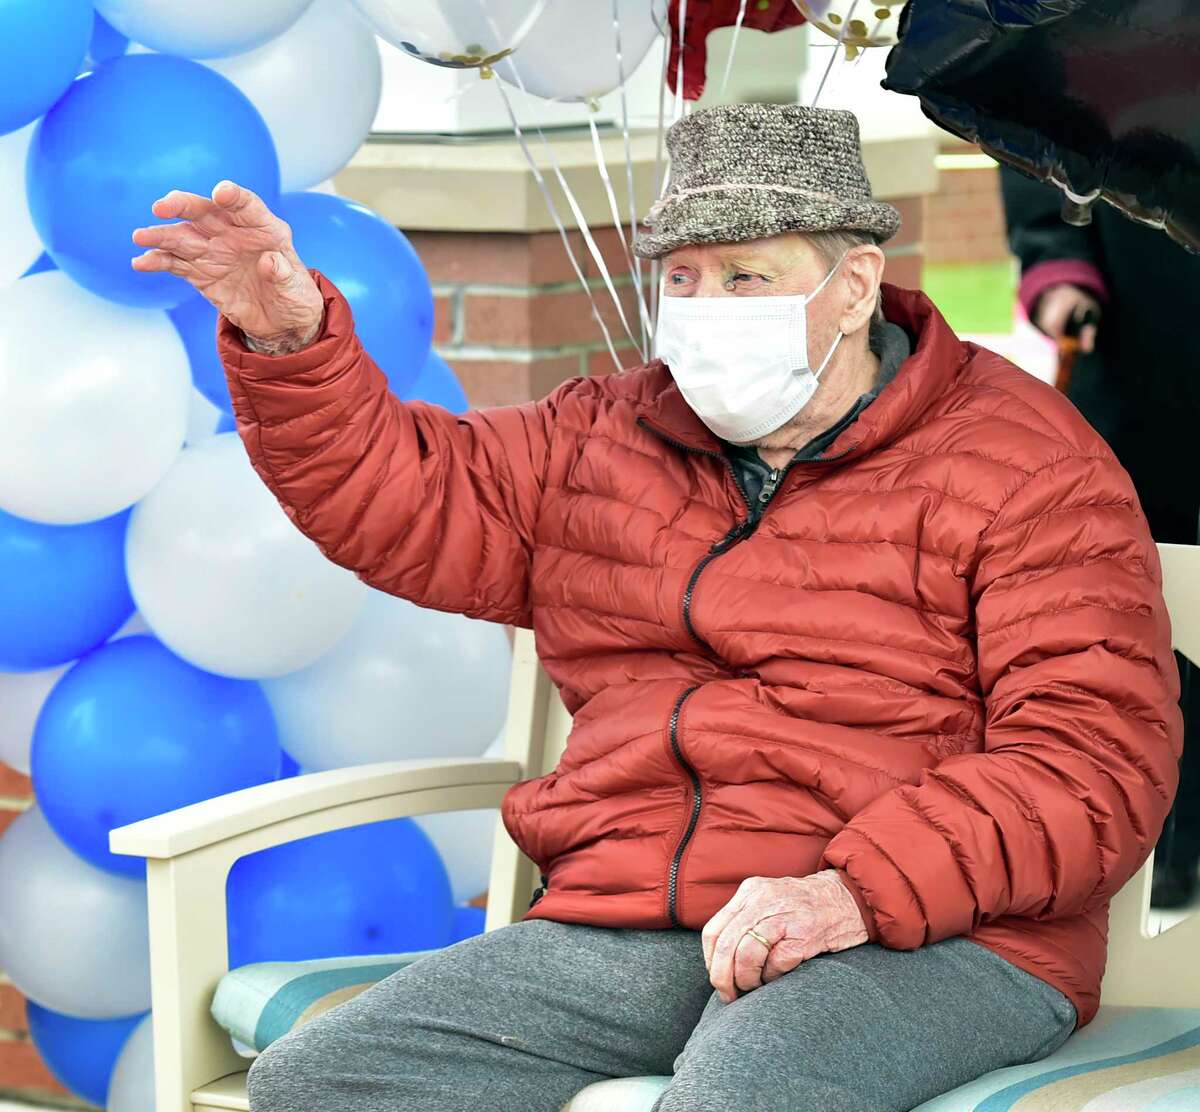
1145	970
1160	970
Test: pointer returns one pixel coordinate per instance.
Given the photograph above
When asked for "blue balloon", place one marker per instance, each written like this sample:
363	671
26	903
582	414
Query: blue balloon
107	43
225	424
195	319
42	46
468	922
81	1053
133	731
125	134
63	589
438	384
377	270
288	765
375	889
42	262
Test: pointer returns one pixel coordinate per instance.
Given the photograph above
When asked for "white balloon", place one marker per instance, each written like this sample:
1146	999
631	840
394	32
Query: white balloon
201	28
203	418
458	34
136	625
571	52
131	1087
404	682
22	695
73	938
317	86
20	244
222	575
464	839
95	400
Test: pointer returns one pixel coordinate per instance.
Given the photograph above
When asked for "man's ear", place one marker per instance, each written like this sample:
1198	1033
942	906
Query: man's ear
863	272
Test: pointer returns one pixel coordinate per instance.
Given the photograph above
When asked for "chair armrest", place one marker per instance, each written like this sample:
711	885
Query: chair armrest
230	816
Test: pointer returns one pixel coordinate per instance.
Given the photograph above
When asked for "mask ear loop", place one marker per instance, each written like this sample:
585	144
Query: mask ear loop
841	334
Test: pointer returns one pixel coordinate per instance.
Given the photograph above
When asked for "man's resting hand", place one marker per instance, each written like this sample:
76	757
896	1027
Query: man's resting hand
799	916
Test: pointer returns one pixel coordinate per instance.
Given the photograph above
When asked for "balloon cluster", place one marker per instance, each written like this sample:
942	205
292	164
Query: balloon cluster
166	634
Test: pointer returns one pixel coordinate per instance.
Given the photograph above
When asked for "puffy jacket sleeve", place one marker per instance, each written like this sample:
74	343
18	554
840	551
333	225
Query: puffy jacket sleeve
437	508
1083	732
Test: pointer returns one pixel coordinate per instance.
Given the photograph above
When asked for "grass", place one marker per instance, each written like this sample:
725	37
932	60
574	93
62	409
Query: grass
974	297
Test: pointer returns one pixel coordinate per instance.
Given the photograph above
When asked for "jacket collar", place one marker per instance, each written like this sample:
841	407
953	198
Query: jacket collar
924	377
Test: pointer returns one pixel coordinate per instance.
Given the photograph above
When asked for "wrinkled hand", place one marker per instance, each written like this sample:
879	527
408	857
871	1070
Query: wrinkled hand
1059	304
239	255
799	916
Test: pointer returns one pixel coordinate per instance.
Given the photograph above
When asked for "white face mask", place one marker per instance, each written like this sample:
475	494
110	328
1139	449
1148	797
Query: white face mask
741	362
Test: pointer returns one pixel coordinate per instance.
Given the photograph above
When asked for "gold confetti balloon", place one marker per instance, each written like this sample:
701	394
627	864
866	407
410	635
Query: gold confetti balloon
857	24
457	34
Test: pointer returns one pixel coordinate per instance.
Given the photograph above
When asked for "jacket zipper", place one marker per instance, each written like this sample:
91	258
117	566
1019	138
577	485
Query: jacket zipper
738	533
673	876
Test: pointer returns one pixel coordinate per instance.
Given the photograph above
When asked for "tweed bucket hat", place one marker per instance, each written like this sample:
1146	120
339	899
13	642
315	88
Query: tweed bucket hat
745	171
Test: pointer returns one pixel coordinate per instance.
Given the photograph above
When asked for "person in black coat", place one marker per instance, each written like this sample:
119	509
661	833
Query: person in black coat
1137	381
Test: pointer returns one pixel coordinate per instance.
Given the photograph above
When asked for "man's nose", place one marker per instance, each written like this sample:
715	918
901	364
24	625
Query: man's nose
713	285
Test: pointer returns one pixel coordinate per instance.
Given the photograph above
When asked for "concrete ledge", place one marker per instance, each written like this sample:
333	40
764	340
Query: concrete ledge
485	184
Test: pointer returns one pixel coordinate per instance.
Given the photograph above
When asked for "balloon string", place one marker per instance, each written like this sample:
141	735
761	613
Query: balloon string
581	221
618	223
737	28
679	105
643	312
834	56
562	231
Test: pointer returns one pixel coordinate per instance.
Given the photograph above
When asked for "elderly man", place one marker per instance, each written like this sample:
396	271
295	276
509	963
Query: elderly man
861	628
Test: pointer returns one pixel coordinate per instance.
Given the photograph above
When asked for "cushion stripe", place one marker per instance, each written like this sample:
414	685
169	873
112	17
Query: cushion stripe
1006	1100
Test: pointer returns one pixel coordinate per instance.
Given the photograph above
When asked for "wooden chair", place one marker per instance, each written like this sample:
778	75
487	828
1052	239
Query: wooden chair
190	851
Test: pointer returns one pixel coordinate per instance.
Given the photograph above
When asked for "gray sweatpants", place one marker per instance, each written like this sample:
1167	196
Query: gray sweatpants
522	1018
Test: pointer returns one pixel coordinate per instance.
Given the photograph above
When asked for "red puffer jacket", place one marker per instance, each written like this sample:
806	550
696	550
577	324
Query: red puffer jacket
940	662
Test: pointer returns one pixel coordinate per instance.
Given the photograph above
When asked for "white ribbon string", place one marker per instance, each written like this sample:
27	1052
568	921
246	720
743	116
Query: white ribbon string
558	223
643	311
737	29
618	223
833	57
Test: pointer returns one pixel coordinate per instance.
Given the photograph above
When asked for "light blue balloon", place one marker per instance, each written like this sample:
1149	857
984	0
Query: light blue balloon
42	46
124	135
81	1053
377	270
133	731
438	384
195	319
63	589
376	889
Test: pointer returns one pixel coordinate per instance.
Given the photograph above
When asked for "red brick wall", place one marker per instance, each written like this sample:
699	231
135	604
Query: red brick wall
964	219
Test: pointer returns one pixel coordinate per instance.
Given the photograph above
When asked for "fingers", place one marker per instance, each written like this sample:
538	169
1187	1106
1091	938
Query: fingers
738	957
161	260
1087	338
189	206
243	206
714	927
182	239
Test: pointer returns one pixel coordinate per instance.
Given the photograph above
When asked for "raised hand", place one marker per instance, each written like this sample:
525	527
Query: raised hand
239	255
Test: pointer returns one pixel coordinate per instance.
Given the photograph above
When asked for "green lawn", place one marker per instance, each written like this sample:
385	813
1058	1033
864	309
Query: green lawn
974	297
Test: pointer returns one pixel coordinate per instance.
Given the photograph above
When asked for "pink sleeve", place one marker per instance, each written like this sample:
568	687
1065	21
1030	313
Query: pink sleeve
1076	272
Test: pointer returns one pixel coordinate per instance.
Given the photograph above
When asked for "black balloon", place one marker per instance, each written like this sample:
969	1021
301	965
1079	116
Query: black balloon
1098	96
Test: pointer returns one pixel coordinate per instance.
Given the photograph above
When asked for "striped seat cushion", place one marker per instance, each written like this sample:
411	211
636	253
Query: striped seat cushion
1125	1060
260	1003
